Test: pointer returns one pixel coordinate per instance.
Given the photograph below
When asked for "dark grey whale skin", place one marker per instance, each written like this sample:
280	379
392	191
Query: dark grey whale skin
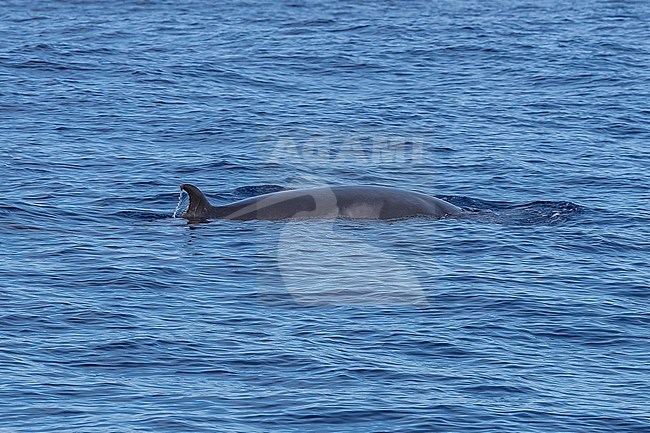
354	202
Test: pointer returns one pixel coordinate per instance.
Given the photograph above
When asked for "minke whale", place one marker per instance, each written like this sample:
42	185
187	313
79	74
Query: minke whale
348	202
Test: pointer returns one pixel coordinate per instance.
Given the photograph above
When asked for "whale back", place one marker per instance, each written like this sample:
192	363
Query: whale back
356	202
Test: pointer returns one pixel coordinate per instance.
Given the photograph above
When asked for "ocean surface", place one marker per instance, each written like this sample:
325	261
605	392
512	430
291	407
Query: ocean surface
531	313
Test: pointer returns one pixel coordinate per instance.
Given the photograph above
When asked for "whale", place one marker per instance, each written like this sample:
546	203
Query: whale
340	202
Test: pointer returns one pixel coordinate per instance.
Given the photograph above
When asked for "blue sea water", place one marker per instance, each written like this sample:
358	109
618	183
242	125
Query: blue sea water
529	315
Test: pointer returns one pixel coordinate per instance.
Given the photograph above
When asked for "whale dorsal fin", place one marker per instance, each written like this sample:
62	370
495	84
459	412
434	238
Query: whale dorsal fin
199	207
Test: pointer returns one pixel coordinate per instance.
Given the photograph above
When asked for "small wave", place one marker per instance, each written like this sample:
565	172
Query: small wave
533	213
141	215
255	190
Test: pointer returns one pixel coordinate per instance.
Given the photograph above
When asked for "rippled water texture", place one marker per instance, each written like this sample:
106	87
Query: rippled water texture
529	315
